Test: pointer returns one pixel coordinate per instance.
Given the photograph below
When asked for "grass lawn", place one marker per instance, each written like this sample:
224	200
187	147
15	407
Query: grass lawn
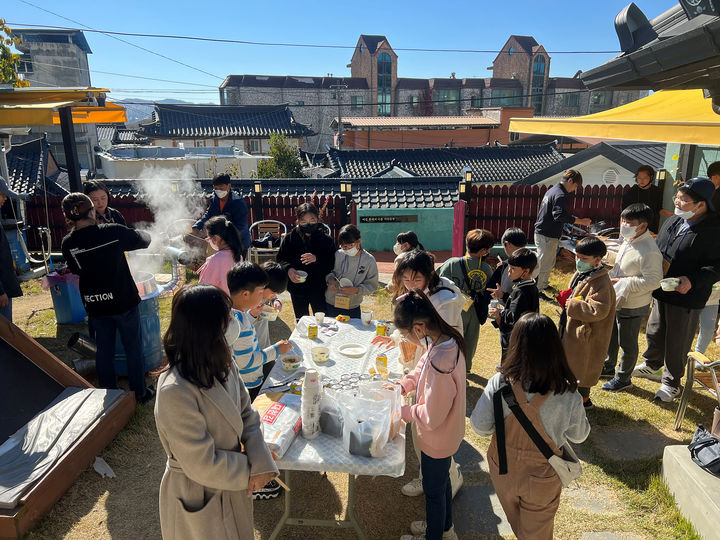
616	495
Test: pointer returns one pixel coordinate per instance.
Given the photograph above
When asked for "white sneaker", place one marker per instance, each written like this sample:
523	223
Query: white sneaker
668	394
456	480
419	528
645	372
413	488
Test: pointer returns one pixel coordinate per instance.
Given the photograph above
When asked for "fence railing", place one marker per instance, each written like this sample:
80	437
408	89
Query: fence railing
334	212
497	208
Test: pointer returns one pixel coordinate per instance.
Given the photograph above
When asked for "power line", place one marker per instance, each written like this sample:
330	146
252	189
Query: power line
278	44
90	29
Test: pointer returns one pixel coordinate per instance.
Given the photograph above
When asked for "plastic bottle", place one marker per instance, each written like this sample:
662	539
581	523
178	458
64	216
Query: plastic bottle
310	404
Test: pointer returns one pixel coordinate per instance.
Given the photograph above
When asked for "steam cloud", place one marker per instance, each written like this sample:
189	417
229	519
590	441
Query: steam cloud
173	197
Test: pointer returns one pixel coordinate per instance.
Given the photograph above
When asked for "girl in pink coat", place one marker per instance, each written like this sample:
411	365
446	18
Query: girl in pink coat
439	410
225	239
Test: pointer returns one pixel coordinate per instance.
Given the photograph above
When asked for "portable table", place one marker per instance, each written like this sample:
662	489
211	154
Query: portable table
325	453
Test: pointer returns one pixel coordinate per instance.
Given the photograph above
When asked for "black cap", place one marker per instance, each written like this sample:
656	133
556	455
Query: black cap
703	188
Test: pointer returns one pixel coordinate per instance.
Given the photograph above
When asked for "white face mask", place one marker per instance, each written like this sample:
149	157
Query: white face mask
685	214
233	329
220	193
628	232
350	252
397	249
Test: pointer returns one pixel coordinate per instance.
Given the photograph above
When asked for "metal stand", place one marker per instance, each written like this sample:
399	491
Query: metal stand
349	523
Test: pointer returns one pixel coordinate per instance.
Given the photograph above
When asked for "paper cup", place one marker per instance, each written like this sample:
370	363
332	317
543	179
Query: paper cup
669	284
366	316
291	362
268	313
320	355
319	317
301	276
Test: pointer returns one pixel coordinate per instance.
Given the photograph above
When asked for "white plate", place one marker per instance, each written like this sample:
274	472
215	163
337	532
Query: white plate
353	350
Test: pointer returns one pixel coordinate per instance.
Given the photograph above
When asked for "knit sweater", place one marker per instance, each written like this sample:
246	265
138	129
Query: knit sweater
247	354
439	410
638	266
214	270
562	415
361	270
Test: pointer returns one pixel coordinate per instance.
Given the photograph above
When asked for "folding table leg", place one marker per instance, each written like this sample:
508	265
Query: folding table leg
286	513
351	508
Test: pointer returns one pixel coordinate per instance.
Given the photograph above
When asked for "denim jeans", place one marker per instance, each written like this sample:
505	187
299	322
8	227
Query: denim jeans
7	310
546	252
332	311
708	318
438	495
624	336
128	326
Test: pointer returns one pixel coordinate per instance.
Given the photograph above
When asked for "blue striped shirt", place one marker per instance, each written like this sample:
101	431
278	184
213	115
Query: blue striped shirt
247	354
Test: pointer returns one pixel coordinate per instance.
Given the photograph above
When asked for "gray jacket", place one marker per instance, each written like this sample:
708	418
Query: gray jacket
360	269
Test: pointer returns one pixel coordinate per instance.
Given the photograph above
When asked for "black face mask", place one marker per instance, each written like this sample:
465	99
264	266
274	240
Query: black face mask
308	228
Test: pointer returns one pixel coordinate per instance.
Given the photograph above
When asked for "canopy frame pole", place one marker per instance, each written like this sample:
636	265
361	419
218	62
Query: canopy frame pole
71	157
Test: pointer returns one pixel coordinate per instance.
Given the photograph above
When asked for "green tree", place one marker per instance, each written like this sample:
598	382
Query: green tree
284	160
9	61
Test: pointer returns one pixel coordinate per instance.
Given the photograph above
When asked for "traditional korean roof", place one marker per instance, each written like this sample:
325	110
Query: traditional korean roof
219	121
488	163
27	165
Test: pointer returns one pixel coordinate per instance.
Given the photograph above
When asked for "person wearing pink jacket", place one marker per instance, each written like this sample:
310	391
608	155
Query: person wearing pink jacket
439	410
224	238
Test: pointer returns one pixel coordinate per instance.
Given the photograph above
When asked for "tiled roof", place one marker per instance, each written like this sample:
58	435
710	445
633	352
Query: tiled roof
473	83
498	82
417	192
372	42
488	163
446	83
415	121
566	82
404	83
27	163
526	42
292	81
629	155
202	121
118	134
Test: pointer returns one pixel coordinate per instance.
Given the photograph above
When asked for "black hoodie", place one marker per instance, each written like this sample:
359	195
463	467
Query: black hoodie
319	244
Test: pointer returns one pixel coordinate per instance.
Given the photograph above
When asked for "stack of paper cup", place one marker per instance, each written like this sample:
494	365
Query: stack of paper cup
310	404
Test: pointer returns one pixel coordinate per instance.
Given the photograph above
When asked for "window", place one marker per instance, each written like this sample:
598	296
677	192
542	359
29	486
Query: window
506	97
538	83
384	84
602	98
414	102
254	146
476	101
299	103
223	96
571	99
25	64
511	50
356	102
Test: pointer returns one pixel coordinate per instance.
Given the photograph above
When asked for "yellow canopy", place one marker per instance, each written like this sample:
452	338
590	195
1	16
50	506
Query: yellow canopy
38	106
680	116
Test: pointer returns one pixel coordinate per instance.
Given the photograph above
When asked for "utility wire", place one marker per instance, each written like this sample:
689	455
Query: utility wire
273	44
113	36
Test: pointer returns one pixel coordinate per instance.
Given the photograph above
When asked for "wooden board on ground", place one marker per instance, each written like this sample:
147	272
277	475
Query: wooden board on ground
51	486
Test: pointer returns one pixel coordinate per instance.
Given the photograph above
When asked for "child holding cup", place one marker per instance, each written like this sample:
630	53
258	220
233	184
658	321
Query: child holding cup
354	275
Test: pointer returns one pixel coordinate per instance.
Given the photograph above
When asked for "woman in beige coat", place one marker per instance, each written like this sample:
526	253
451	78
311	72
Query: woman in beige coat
216	455
588	316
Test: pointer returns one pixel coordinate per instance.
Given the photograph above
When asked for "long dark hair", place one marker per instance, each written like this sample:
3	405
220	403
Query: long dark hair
195	341
536	357
76	206
417	261
225	229
415	307
411	238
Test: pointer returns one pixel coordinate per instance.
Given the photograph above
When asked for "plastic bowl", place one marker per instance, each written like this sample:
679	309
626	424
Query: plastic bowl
291	362
669	284
320	355
301	276
269	313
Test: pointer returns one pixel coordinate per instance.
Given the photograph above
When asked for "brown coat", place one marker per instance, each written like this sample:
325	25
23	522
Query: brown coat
213	442
590	321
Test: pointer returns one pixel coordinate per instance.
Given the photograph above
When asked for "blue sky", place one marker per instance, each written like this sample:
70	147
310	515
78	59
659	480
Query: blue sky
558	25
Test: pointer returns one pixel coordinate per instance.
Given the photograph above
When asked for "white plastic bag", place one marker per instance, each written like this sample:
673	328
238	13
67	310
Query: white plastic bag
331	418
374	390
366	427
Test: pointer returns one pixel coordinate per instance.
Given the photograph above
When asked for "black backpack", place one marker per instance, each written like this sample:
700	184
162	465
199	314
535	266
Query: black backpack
705	451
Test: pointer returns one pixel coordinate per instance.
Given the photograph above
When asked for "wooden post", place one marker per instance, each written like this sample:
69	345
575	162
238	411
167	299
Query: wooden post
71	157
458	237
257	201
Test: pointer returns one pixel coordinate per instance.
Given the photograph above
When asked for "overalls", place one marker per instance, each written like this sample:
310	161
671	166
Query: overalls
530	491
